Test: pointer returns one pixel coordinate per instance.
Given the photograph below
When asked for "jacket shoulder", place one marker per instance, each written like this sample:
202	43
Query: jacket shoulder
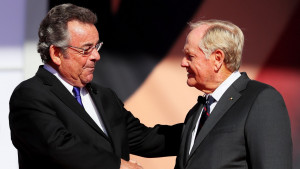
256	86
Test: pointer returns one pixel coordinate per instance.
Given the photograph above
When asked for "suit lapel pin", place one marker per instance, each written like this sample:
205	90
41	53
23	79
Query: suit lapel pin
231	98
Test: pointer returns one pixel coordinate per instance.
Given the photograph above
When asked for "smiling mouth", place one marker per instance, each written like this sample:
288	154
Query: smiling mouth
190	75
90	69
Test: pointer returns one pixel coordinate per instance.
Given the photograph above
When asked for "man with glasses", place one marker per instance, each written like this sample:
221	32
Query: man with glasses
60	119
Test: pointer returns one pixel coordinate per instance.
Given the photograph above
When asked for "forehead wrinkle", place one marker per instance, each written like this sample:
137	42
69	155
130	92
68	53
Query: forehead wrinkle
79	30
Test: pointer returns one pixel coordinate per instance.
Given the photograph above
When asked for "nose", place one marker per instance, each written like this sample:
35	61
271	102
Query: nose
95	55
184	62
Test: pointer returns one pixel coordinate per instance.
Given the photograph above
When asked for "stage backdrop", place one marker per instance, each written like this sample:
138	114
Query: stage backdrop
143	41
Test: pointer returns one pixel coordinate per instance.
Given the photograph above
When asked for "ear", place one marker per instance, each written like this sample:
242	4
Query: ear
55	54
219	57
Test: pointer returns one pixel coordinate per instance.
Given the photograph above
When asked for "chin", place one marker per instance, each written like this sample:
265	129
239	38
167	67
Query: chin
88	79
191	84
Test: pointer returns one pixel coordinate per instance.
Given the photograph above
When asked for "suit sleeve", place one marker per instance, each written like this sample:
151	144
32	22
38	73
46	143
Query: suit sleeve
157	141
37	130
268	132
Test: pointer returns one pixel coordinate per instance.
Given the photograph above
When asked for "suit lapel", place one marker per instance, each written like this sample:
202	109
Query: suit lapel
192	123
97	98
231	95
61	92
189	123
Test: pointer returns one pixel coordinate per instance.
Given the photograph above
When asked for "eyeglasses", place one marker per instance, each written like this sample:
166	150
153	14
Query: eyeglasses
86	51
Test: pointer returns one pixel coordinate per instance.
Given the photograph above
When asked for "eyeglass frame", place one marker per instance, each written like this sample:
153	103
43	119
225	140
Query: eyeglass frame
86	51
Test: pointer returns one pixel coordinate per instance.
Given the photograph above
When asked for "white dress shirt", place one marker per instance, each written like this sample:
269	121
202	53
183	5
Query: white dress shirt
86	99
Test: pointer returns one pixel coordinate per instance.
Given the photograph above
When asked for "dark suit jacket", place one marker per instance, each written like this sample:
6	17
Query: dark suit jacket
51	130
248	129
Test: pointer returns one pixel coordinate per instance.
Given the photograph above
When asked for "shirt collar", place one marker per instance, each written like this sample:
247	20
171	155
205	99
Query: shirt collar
217	94
56	74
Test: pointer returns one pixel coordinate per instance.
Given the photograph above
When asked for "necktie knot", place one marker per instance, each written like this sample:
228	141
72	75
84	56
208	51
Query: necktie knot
76	91
209	100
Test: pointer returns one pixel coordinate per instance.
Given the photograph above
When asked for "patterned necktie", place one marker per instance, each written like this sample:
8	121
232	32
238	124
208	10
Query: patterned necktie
76	91
205	112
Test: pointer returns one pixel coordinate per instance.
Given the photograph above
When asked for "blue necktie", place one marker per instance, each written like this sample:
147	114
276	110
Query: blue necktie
76	91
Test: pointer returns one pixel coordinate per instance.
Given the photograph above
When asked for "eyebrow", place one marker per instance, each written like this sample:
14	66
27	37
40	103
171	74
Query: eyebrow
89	44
